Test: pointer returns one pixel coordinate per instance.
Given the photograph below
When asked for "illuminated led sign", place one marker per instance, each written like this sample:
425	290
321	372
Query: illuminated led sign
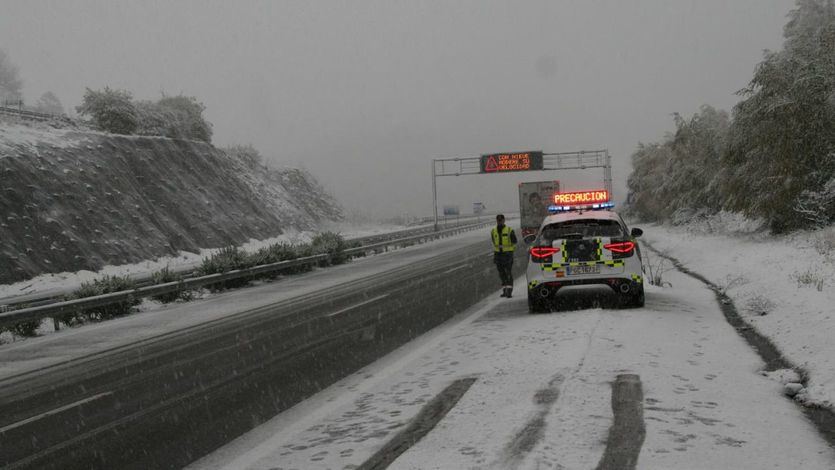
505	162
581	197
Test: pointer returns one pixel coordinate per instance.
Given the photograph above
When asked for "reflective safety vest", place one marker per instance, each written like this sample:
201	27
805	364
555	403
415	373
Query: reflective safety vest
501	241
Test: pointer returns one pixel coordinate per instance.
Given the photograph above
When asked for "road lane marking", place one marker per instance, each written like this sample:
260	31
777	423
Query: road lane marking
456	268
357	305
53	412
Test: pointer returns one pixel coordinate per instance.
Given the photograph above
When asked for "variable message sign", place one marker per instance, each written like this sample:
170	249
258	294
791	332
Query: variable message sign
512	161
581	197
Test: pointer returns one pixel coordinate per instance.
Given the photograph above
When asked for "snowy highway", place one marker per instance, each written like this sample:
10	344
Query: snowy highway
553	390
162	388
370	235
330	369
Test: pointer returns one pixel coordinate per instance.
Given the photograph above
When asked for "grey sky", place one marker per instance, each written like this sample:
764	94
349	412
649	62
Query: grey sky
365	93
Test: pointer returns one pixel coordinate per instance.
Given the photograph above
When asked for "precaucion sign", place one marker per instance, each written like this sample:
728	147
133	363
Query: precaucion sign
581	197
505	162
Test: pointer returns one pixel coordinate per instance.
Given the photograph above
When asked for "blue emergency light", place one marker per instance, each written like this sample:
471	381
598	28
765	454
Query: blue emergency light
603	205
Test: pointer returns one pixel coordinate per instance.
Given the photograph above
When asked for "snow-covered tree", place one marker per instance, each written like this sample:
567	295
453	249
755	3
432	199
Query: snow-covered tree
649	165
681	174
247	154
775	159
190	121
109	110
11	86
697	147
49	104
152	119
782	142
177	117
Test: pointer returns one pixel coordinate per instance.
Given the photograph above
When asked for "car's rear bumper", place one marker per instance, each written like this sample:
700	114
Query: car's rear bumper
619	285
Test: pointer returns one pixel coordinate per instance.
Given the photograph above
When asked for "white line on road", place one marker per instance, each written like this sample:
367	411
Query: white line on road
55	411
456	268
296	419
357	305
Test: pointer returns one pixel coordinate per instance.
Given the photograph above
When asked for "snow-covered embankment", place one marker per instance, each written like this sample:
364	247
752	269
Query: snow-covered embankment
781	285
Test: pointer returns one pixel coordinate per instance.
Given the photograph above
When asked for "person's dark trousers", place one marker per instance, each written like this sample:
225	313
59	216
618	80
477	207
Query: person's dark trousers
504	263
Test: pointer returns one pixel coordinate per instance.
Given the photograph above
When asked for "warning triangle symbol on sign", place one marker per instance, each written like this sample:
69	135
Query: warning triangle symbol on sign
492	164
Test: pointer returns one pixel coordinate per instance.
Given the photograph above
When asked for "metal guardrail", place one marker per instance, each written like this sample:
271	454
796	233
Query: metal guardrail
58	309
31	114
188	271
425	226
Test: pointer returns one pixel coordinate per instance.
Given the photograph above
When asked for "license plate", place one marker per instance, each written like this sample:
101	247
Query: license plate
577	270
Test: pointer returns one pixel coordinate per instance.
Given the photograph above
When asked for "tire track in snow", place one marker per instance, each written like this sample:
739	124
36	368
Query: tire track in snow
626	436
430	415
534	430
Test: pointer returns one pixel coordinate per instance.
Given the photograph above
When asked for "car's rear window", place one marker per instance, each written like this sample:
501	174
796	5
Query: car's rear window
580	228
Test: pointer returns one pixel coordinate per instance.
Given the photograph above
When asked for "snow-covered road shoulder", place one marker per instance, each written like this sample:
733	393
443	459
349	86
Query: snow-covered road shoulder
543	396
782	286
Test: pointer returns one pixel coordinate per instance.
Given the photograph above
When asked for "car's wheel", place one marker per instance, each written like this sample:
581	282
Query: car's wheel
634	299
535	305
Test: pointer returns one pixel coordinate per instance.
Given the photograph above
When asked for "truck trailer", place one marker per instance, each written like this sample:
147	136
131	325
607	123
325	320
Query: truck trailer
534	199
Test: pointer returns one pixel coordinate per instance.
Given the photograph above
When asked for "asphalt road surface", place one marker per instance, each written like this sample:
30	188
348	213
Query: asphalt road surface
408	360
668	386
167	399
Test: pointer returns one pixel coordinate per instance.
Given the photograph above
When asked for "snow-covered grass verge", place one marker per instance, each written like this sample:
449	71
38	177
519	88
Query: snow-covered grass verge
46	283
65	282
781	285
14	136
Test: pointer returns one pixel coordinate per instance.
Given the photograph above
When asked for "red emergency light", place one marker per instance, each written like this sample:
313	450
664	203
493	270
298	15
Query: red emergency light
620	247
542	252
581	197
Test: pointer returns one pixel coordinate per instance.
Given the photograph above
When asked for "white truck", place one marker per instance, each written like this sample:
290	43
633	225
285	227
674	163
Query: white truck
534	199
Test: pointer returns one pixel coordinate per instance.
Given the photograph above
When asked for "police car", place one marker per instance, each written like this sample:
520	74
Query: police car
584	244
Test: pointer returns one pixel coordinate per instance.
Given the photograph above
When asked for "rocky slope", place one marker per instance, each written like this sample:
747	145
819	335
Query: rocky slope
74	199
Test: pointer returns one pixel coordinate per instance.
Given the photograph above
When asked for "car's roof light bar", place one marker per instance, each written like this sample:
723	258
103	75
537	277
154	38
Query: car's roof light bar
586	207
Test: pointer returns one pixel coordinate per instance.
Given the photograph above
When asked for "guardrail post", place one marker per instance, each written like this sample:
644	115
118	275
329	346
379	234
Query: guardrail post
434	195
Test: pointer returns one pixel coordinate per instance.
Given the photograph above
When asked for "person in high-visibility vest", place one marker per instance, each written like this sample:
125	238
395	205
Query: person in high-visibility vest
504	243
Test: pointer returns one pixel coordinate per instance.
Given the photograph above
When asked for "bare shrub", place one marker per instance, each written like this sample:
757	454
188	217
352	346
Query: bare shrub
730	282
657	271
811	277
759	305
824	242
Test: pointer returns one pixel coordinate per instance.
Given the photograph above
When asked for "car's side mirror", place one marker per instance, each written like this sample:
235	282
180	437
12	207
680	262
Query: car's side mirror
636	232
529	238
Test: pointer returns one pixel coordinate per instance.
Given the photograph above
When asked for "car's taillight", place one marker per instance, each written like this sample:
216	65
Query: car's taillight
540	254
620	249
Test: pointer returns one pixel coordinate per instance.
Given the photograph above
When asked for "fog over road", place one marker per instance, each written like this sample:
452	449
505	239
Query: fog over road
347	89
567	390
